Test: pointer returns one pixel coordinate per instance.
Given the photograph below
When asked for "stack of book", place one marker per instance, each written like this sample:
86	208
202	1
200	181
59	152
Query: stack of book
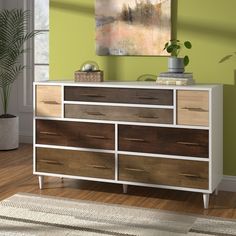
168	78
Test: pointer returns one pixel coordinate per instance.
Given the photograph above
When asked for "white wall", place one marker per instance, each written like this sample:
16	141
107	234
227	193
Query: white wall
2	4
21	95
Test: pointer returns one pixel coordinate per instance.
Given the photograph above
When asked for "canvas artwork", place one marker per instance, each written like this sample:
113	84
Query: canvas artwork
132	27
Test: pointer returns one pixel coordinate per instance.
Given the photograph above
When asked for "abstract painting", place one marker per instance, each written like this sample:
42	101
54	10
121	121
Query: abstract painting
132	27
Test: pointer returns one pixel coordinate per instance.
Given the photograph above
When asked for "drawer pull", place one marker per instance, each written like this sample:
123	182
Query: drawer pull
190	175
97	167
189	144
198	109
135	139
52	162
148	98
95	113
134	169
95	136
149	117
51	102
49	133
92	95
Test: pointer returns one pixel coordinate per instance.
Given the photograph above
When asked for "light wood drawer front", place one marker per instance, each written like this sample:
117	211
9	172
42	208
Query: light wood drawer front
160	140
75	134
116	113
193	108
48	101
77	163
119	95
161	171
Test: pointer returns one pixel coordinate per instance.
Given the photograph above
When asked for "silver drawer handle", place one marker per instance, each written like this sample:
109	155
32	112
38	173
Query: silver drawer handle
189	143
95	136
134	139
134	169
51	102
95	113
148	98
51	162
198	109
49	133
190	175
97	167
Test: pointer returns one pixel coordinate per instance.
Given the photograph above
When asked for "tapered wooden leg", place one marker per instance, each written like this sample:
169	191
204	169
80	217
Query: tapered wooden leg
41	179
216	191
206	200
125	188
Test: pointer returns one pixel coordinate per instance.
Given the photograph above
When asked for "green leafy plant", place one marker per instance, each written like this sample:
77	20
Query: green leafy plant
174	47
227	57
13	35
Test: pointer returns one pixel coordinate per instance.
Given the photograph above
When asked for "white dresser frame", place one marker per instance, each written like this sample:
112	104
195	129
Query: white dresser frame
215	132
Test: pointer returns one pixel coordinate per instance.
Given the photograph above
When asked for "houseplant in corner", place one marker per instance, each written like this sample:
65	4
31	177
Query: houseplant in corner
174	47
13	35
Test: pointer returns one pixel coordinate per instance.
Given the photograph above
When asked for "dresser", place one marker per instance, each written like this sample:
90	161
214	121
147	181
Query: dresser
130	133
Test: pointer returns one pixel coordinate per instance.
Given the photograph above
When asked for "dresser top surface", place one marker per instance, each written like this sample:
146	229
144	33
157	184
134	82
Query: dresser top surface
127	84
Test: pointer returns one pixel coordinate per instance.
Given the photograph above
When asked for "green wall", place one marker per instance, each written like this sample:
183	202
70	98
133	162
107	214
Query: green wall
210	25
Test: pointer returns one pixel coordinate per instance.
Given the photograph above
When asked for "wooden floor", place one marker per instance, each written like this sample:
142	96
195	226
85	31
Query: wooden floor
16	176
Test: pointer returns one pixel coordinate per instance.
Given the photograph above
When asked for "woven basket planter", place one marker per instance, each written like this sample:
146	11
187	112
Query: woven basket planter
88	76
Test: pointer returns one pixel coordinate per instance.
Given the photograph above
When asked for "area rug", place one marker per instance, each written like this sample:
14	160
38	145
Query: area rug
27	214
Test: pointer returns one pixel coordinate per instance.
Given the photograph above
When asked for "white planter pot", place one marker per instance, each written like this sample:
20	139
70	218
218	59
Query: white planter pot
9	133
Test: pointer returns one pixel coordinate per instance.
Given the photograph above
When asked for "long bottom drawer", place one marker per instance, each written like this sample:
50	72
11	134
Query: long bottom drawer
77	163
162	171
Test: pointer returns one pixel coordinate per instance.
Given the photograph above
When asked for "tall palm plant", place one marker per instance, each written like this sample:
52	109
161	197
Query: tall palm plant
13	35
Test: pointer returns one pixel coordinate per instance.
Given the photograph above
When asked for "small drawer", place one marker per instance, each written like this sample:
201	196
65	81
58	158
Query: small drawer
117	113
160	140
119	95
77	163
162	171
48	101
75	134
193	108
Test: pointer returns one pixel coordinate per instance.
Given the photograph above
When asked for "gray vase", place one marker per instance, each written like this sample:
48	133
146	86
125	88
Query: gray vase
9	133
176	65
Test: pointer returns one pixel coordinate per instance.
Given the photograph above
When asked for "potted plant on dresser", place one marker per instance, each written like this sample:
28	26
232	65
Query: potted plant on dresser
13	35
174	47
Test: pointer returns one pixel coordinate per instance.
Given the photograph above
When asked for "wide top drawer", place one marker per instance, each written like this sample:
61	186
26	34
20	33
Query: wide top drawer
119	95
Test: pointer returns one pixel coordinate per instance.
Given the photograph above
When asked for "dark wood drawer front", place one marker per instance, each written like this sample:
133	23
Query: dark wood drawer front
77	163
75	134
181	173
117	113
119	95
170	141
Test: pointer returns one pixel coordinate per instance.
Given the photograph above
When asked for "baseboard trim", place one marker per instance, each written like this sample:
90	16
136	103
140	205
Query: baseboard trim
228	183
24	138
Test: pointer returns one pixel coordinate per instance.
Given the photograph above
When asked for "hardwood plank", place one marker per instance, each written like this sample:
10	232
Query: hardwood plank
182	173
77	163
117	113
169	141
119	95
75	134
48	101
193	108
